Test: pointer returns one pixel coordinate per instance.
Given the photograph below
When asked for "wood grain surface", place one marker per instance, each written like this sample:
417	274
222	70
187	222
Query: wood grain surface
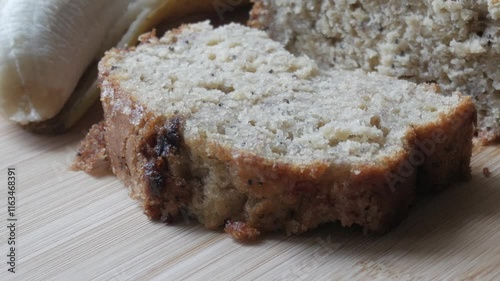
75	226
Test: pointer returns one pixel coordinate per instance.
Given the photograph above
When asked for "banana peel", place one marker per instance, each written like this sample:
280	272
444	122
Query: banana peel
86	92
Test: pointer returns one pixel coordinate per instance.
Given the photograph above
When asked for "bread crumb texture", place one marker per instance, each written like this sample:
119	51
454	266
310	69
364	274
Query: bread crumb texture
226	126
92	153
453	43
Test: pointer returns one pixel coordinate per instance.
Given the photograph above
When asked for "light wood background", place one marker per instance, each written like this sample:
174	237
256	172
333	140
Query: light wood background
74	226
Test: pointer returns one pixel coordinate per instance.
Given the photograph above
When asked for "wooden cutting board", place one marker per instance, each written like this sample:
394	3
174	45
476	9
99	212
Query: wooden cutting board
74	226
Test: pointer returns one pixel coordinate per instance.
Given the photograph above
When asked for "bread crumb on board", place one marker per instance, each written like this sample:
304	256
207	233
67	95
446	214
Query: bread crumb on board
486	172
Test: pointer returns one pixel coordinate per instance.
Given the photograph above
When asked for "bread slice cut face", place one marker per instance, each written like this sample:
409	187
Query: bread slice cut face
226	126
455	44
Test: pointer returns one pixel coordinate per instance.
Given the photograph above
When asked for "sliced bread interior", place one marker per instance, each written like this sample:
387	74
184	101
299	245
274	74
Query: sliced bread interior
453	43
226	126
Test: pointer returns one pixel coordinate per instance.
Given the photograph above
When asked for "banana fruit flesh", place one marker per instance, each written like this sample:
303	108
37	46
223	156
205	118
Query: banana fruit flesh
45	46
49	50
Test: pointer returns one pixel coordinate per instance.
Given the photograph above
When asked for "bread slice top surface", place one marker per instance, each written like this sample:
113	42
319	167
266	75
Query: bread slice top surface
238	89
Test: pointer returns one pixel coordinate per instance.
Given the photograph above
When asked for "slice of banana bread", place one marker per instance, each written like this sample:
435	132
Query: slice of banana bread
453	43
226	126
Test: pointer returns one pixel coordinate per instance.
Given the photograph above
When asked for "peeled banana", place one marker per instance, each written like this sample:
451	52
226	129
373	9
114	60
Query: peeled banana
49	50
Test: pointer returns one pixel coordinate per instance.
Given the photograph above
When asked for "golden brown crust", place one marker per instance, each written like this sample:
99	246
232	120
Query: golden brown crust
446	147
286	197
146	156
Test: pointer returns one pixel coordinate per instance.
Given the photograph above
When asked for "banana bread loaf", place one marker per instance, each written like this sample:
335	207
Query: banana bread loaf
226	126
453	43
